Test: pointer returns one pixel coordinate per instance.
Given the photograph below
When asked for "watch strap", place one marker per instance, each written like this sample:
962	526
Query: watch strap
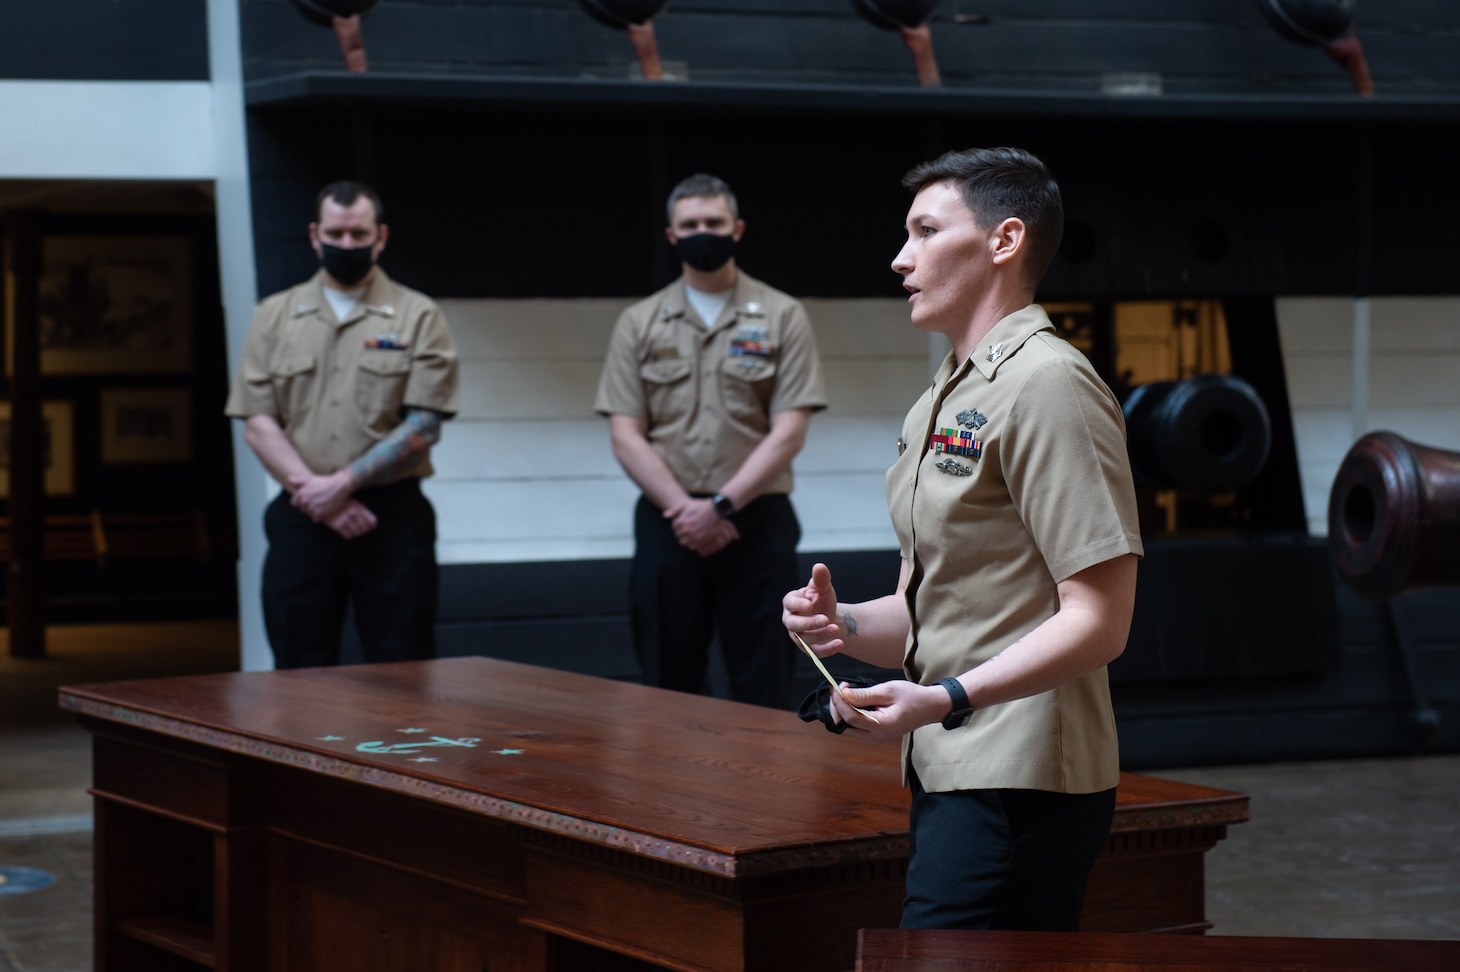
962	708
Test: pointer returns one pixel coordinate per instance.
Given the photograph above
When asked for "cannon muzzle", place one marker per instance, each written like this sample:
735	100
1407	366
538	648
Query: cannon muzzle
1394	516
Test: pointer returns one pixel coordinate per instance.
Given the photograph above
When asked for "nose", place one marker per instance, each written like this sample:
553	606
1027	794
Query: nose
903	262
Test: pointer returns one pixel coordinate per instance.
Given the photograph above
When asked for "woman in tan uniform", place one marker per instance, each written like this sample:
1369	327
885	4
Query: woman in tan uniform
1015	514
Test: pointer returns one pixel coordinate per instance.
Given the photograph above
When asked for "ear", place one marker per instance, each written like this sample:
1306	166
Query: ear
739	230
1006	242
380	239
669	235
314	237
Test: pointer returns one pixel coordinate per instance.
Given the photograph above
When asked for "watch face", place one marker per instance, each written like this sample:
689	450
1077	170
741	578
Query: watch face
724	506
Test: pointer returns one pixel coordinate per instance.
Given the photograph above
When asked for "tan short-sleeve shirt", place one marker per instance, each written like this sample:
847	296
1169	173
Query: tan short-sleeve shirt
707	394
338	387
1013	477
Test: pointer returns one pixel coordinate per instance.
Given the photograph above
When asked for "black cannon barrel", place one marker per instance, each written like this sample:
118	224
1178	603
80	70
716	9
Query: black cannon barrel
621	13
1309	21
1394	516
895	14
1207	434
324	12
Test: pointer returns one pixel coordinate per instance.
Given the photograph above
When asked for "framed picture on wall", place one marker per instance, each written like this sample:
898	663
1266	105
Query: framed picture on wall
115	305
58	448
146	425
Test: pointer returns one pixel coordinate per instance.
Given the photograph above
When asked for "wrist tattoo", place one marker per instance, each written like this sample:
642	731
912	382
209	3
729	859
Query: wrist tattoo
849	623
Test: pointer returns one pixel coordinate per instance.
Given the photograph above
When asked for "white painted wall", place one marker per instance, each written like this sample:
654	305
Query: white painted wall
525	471
1412	364
107	130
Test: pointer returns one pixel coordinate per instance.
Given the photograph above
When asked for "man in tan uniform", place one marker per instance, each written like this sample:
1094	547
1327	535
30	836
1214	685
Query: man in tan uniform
709	386
1015	512
343	385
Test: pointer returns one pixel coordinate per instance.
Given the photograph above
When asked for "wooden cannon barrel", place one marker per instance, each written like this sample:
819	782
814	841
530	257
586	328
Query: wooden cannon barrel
1394	516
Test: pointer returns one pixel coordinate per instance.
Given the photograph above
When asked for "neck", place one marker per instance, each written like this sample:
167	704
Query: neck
993	309
713	282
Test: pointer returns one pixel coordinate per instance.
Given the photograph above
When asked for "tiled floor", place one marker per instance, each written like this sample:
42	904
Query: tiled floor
1353	849
45	767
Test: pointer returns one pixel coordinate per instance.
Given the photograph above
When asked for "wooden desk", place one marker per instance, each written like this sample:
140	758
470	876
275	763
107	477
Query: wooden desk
448	814
891	950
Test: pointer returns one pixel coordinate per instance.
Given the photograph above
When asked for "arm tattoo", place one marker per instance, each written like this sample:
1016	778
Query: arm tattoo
399	450
849	623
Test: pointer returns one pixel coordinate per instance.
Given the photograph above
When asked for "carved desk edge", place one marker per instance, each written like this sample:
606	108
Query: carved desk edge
1222	807
891	846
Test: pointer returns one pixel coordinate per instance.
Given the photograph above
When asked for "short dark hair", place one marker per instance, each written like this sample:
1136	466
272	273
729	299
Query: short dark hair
345	193
702	185
997	183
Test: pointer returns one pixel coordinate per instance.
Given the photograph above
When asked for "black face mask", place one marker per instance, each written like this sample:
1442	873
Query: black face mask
346	266
705	251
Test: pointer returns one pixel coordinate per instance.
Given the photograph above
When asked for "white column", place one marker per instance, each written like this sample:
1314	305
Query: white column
240	292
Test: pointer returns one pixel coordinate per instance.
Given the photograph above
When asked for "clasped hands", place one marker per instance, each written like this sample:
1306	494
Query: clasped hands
700	528
328	500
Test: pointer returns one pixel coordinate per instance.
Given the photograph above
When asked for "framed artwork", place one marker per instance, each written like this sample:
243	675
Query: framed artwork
146	425
116	305
58	448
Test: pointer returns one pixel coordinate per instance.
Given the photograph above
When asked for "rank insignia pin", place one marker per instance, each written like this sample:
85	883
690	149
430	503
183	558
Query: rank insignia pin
996	351
752	307
953	467
901	446
972	418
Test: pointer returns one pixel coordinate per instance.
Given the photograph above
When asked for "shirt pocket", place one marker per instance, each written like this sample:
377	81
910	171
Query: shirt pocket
293	378
746	386
668	390
380	389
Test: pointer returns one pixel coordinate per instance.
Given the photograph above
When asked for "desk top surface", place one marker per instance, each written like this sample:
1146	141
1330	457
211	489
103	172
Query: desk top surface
710	784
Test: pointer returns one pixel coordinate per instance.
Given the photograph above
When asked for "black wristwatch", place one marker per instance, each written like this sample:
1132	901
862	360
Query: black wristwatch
962	708
724	505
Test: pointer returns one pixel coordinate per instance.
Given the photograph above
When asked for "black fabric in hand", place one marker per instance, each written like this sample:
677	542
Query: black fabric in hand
816	707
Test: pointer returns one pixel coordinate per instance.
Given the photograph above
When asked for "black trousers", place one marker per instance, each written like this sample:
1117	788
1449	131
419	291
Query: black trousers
678	600
1002	860
389	575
